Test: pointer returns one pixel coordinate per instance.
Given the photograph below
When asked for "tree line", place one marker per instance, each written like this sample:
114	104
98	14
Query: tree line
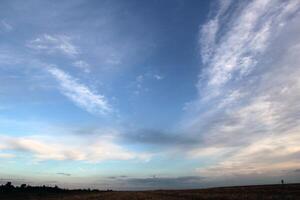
24	188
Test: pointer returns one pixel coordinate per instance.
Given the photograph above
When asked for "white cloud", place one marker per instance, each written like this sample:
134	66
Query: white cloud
73	148
80	94
54	44
269	154
139	78
138	84
247	37
247	113
158	77
141	83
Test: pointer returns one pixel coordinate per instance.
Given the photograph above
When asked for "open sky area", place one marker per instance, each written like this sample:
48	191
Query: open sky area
147	94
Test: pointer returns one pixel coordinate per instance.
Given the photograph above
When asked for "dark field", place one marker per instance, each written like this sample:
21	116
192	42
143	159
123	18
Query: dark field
280	192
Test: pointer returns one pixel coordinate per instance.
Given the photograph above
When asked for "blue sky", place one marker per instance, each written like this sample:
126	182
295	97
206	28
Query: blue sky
149	94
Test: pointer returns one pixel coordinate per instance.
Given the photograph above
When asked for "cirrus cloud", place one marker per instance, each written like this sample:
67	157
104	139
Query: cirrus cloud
53	44
247	114
80	94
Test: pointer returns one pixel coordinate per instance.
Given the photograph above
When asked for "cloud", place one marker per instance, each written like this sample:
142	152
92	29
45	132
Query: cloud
153	182
158	77
8	57
6	155
5	26
57	148
268	155
159	138
63	174
54	44
80	94
117	177
82	65
141	82
139	85
246	114
246	37
164	182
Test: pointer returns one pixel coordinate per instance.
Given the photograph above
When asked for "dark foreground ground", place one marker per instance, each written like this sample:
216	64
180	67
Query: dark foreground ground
280	192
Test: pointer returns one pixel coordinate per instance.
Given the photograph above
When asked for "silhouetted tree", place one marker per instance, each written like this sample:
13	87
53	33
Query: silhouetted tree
9	188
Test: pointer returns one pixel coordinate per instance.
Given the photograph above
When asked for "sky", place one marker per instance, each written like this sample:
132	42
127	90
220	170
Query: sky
138	94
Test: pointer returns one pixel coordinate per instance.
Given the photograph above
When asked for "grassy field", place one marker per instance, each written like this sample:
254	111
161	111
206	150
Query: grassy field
274	192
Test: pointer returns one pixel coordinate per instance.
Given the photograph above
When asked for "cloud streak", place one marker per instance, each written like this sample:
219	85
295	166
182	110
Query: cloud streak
63	174
80	94
5	26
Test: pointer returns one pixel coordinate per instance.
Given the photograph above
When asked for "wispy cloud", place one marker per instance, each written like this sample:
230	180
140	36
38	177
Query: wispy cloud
5	26
246	114
7	57
245	39
141	83
82	65
158	77
80	94
63	174
54	44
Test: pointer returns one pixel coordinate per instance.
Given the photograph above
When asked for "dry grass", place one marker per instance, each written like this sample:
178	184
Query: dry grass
274	192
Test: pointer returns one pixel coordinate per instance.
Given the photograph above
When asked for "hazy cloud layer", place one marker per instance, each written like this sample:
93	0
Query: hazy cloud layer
154	182
166	182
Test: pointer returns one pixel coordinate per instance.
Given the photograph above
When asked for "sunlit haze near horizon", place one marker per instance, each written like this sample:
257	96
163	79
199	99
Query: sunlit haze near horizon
149	94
